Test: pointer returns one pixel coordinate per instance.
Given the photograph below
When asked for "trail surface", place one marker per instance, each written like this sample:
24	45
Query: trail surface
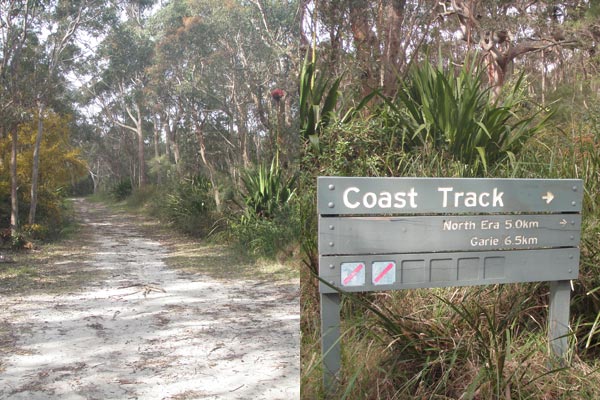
144	331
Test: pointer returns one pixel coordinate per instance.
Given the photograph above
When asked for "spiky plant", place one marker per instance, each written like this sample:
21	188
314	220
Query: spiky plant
455	113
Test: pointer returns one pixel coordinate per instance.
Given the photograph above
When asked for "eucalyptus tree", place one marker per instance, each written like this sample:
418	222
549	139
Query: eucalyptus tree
38	51
185	48
165	76
270	58
17	31
216	66
506	31
214	82
119	85
63	23
376	40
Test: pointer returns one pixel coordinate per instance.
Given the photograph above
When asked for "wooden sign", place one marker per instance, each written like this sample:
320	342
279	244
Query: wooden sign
404	233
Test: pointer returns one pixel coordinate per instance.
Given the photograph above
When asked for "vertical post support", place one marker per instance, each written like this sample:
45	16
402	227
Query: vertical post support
330	338
558	318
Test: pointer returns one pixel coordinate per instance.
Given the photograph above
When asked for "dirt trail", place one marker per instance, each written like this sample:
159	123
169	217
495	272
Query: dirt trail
147	332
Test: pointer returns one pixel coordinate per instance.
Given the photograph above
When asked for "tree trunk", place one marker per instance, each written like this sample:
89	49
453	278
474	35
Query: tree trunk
176	151
257	97
242	130
164	121
244	146
173	145
35	172
543	78
394	14
94	178
209	166
157	128
141	158
156	137
14	200
280	147
365	42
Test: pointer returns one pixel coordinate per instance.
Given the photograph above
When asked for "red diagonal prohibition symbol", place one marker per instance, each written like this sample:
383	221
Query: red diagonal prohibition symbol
353	274
385	271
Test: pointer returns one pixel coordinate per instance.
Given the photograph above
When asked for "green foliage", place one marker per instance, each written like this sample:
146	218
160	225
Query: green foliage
145	197
454	113
460	343
320	103
494	328
54	214
267	190
574	152
463	343
306	215
267	237
318	100
121	190
269	223
188	205
161	168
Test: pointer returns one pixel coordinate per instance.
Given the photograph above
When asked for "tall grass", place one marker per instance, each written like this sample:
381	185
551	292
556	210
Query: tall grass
576	155
467	343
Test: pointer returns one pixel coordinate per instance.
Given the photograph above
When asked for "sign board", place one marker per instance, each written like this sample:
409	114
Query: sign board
367	196
466	218
431	270
403	233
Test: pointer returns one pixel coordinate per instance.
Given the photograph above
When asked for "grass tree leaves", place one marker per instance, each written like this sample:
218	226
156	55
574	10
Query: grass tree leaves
456	113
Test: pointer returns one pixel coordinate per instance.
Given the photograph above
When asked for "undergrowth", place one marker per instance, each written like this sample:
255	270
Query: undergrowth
456	343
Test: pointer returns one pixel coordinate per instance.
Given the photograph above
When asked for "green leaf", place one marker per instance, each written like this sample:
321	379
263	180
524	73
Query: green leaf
482	157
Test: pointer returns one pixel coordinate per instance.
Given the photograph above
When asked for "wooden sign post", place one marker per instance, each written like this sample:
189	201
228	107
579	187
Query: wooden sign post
405	233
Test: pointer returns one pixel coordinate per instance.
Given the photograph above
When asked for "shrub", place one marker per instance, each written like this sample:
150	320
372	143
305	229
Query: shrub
121	190
267	190
268	223
266	237
318	101
456	114
188	205
35	231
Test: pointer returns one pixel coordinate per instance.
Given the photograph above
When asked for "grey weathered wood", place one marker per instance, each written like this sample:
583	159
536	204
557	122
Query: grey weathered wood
411	234
330	337
402	241
519	195
558	317
444	269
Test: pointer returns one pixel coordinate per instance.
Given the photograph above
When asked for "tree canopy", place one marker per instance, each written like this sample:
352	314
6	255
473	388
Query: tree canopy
176	89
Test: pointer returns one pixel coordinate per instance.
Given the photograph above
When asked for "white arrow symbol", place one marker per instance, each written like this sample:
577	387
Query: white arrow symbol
563	222
548	197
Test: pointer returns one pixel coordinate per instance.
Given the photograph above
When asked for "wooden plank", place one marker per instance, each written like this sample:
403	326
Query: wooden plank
358	273
369	196
413	234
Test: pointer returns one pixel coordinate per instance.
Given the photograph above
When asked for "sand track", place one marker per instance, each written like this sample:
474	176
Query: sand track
147	332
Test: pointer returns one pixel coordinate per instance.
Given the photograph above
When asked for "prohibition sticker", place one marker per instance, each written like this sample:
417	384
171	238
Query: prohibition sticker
384	273
353	274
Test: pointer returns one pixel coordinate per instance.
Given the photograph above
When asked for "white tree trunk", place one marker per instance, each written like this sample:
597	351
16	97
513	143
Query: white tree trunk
14	185
35	171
